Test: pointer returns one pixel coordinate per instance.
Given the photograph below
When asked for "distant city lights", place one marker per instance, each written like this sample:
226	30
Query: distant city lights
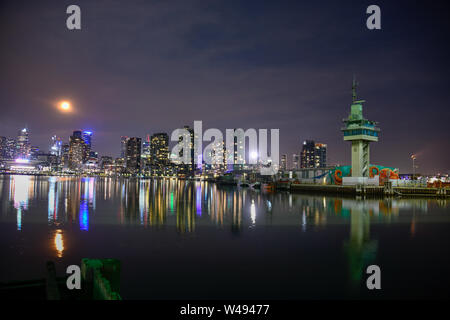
19	160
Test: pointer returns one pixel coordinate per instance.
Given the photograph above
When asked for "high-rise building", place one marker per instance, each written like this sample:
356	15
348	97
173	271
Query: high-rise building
295	161
65	150
307	154
23	145
313	155
160	148
133	155
146	147
238	150
320	160
87	138
56	145
283	162
190	138
77	151
123	146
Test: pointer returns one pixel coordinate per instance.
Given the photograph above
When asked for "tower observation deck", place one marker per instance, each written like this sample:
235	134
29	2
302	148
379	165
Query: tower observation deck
360	132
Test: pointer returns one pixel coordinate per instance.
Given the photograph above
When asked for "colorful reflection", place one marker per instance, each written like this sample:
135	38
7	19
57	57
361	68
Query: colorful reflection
20	192
59	243
160	202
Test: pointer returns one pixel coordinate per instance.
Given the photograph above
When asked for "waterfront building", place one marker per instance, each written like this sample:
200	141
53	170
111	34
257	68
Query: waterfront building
133	156
123	146
187	168
22	145
160	148
283	162
360	132
238	150
295	161
87	138
313	155
77	151
56	146
65	148
320	156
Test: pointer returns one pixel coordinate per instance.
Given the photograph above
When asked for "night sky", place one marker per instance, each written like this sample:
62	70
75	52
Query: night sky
139	67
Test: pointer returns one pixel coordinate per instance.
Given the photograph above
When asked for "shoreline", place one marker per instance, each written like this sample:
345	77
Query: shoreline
356	190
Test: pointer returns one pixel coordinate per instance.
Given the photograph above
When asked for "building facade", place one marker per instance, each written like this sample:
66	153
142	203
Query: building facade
133	155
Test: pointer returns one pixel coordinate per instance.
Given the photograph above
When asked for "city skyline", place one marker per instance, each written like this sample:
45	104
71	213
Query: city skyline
215	64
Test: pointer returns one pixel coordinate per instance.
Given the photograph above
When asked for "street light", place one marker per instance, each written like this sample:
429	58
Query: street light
413	157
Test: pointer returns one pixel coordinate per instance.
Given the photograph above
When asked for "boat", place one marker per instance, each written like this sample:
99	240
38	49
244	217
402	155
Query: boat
256	185
244	184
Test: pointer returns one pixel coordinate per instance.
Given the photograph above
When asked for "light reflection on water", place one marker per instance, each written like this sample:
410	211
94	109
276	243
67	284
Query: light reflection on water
155	202
87	202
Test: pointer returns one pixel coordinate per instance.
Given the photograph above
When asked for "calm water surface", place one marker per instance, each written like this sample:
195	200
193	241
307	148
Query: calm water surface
189	240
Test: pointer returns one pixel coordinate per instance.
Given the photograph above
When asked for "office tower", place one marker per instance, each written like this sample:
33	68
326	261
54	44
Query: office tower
146	147
238	150
56	145
320	156
307	154
295	161
313	155
283	162
123	146
23	145
190	138
77	151
87	138
65	148
10	150
160	148
77	134
218	156
133	155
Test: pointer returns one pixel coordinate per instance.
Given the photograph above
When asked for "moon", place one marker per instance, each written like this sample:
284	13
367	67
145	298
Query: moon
65	106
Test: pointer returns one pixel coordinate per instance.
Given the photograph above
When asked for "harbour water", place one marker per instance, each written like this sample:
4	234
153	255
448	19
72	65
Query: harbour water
178	239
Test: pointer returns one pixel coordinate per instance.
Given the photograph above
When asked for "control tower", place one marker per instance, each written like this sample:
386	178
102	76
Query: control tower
360	132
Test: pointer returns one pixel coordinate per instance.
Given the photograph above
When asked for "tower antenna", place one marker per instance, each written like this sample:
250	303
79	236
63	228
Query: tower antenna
354	86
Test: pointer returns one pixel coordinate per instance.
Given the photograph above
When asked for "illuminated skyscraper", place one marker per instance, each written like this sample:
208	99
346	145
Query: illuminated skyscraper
313	155
283	162
320	156
65	150
56	146
133	155
87	138
123	146
190	138
77	151
238	150
295	161
23	145
160	148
